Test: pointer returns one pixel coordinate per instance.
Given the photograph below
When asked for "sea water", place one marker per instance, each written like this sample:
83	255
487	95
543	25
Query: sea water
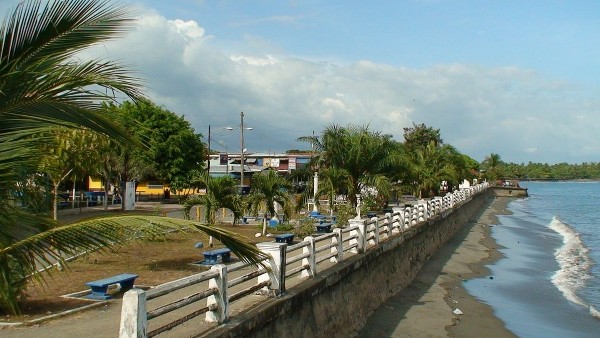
548	283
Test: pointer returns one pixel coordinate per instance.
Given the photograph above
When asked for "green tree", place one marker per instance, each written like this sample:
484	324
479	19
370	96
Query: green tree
173	149
221	192
420	136
429	167
267	190
493	167
43	86
332	182
364	155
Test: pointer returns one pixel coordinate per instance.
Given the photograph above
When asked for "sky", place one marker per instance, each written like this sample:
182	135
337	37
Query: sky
517	78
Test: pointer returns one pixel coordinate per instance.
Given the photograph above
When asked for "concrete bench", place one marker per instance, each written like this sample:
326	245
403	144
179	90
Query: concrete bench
100	287
285	238
245	219
318	217
212	257
324	227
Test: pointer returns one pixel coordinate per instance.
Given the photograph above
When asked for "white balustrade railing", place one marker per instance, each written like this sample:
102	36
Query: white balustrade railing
300	260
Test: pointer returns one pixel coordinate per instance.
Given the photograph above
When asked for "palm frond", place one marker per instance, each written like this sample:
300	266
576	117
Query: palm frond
54	245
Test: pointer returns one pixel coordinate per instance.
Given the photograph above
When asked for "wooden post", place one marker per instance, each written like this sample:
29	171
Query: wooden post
133	315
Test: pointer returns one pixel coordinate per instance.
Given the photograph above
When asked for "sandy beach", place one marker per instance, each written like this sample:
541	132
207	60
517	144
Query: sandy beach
426	308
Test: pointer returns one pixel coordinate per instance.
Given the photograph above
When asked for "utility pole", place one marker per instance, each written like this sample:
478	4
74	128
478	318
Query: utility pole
242	154
208	149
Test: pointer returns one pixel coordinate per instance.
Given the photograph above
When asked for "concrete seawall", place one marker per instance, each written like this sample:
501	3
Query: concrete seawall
338	301
510	192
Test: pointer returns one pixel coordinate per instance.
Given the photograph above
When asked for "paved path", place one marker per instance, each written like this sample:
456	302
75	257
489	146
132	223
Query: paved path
103	321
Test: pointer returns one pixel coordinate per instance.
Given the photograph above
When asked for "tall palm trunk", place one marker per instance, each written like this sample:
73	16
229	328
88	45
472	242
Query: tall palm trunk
264	229
55	200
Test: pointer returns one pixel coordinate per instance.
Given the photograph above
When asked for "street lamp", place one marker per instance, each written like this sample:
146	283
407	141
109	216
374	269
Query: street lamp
242	128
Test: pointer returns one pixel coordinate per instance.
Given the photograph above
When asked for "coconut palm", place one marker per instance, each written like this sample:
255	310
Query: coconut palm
332	183
269	189
364	155
221	192
42	86
493	166
429	167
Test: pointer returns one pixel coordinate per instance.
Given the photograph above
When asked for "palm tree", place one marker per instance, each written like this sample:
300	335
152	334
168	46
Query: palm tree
267	190
493	165
43	86
430	166
332	182
221	192
363	154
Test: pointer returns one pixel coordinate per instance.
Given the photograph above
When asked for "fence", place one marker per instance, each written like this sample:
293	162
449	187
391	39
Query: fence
223	284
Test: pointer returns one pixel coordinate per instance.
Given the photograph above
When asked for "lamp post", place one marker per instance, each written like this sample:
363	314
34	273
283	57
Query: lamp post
242	128
242	153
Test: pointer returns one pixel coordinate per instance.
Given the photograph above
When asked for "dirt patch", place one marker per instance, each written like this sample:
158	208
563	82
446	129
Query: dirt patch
155	262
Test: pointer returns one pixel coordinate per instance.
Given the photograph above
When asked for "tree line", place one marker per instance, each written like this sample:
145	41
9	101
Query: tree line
499	169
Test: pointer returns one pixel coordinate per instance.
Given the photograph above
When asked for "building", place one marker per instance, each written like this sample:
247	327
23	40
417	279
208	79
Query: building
229	164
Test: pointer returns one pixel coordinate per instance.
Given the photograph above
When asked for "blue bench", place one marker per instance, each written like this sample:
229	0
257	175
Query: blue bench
285	238
318	217
100	287
371	214
324	227
212	257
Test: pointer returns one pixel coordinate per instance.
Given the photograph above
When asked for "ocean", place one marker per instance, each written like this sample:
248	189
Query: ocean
548	283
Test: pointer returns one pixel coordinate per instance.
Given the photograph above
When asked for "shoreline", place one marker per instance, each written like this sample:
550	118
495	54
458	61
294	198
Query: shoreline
425	307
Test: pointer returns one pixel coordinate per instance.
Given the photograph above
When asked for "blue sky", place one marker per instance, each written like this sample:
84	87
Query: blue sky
517	78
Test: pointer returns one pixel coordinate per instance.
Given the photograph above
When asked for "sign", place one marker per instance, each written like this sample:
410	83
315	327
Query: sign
223	159
292	164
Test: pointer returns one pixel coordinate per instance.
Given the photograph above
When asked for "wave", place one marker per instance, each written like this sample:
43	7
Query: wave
574	263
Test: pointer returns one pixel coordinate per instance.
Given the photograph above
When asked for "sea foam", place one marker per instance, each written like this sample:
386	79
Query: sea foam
574	264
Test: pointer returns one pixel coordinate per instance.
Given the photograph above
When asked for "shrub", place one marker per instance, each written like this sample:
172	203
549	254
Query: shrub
305	228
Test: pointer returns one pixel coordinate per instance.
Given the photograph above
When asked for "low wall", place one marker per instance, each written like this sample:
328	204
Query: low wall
510	192
338	301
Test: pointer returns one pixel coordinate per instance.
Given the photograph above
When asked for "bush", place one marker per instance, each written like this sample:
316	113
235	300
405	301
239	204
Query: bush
305	228
13	287
344	212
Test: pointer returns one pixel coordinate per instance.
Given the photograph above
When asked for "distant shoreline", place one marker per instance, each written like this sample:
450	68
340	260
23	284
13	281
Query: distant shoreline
556	179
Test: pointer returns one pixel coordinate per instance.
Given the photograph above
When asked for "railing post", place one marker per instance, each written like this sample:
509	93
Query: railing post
311	260
278	255
339	248
422	211
220	298
398	217
376	233
133	315
361	232
390	224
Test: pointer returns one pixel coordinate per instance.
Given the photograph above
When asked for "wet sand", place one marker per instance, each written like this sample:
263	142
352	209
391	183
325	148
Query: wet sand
425	308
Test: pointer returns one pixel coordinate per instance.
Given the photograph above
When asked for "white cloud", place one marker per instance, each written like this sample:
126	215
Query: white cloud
514	112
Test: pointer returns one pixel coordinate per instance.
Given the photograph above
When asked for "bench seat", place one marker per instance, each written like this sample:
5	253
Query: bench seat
100	287
285	238
212	257
324	227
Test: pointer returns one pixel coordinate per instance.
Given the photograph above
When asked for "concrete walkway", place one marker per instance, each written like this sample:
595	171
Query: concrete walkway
100	321
104	320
